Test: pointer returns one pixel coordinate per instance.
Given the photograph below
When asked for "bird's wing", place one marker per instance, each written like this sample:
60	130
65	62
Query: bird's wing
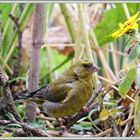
57	92
54	92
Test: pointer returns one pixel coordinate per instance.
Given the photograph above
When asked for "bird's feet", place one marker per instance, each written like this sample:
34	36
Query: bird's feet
84	109
63	130
62	127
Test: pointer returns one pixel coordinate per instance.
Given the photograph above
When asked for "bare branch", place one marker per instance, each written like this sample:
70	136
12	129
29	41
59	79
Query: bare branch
7	103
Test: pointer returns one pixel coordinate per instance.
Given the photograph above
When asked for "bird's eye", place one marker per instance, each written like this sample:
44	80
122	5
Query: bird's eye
87	65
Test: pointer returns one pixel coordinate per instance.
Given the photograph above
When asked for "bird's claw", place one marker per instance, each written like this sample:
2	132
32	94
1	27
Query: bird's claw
62	131
84	109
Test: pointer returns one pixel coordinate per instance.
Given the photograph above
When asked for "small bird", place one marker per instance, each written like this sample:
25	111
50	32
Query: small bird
69	93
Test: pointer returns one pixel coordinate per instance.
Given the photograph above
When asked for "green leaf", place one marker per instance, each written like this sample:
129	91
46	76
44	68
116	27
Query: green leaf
114	111
7	23
125	85
8	43
26	14
5	10
110	20
104	114
135	51
10	116
21	109
132	7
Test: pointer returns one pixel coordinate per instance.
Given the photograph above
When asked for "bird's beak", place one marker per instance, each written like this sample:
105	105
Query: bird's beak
95	68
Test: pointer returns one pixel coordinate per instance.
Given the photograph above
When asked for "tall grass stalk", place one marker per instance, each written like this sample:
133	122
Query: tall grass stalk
50	58
84	30
72	30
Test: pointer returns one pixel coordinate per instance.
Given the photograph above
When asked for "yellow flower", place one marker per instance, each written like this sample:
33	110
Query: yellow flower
126	26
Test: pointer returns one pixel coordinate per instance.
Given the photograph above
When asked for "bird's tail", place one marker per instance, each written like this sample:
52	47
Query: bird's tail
29	95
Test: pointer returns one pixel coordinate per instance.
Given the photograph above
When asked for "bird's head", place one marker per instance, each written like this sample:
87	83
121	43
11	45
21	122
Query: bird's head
84	69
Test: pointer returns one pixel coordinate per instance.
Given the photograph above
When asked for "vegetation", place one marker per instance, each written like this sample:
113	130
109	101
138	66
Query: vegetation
39	42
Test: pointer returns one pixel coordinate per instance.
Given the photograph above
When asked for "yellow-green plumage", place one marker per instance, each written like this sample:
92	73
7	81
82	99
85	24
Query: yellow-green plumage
69	93
76	98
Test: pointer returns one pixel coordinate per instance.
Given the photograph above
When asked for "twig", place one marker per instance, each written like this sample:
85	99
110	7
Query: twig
33	131
46	118
108	70
5	122
7	103
50	133
93	97
105	79
111	86
131	131
108	131
113	51
53	45
126	129
115	130
18	59
15	21
81	114
126	95
19	133
6	65
115	58
115	88
27	129
57	133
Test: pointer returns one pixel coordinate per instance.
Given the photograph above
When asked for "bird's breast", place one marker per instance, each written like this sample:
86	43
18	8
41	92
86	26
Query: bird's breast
84	91
76	99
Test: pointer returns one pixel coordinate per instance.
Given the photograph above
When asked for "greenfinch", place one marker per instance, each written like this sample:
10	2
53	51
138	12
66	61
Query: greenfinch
69	93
